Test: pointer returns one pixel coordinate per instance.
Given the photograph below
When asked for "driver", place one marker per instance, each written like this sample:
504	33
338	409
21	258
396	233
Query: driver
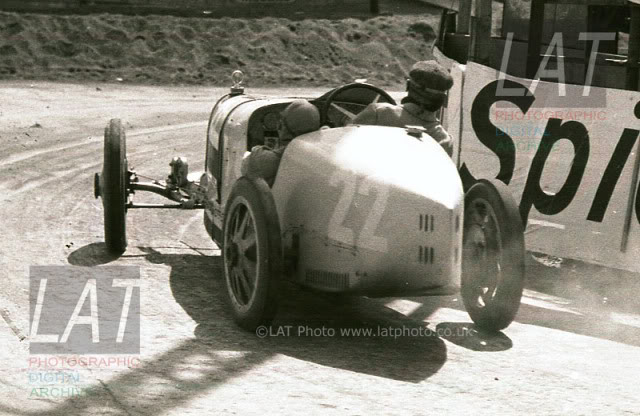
426	92
298	118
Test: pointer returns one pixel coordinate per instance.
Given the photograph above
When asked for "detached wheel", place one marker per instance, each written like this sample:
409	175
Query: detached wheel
112	186
493	269
252	253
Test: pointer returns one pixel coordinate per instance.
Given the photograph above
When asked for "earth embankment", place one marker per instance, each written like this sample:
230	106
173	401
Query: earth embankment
178	50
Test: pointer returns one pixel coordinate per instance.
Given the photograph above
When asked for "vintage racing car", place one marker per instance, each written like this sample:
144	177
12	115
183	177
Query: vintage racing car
362	210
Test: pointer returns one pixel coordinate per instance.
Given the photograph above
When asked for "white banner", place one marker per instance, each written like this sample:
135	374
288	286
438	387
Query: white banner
570	156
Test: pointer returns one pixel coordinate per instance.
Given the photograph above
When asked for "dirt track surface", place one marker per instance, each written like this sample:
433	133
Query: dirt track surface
574	348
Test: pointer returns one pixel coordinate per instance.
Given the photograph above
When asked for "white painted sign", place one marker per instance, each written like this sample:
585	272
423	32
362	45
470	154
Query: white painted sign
570	159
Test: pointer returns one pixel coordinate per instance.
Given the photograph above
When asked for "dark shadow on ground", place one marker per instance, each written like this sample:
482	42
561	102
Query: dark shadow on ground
221	351
93	254
468	336
463	334
309	326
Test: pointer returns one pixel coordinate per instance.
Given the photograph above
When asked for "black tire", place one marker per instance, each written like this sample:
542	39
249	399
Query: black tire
252	253
493	271
113	187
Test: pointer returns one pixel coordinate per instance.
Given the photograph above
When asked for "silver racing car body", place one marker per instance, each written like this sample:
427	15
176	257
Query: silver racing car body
360	210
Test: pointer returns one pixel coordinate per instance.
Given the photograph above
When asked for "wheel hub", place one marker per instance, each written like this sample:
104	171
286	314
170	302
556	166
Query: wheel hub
477	237
233	254
479	258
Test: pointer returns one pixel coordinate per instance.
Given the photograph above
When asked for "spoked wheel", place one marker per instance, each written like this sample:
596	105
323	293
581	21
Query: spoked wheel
252	253
113	186
493	256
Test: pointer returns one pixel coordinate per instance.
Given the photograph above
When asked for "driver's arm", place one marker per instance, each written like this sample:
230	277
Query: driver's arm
262	162
367	116
443	138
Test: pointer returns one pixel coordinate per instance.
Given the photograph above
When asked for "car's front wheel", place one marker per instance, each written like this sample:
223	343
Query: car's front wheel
112	185
493	269
252	253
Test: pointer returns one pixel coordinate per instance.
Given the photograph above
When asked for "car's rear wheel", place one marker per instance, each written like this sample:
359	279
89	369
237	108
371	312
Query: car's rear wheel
493	269
112	185
252	253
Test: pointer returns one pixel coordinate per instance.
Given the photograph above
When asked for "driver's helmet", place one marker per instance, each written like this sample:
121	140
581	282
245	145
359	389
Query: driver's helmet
300	117
428	83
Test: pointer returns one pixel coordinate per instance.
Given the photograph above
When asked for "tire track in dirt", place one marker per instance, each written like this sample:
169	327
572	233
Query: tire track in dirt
92	140
17	185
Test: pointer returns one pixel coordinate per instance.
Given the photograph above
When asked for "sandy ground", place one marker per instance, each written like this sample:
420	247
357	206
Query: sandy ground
165	49
574	348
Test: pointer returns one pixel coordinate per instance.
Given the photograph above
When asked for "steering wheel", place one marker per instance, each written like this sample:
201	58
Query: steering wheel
349	94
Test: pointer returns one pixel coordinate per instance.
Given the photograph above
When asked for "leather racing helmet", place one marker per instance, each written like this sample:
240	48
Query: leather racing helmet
301	117
428	83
